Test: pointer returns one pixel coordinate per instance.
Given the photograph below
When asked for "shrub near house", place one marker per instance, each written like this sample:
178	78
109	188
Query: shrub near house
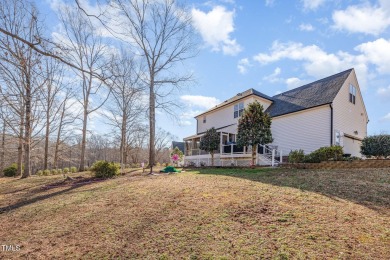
322	154
376	146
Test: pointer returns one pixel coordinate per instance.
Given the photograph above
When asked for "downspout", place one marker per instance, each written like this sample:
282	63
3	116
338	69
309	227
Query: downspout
197	129
331	124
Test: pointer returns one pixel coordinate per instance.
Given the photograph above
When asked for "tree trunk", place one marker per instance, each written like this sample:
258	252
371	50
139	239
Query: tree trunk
123	143
2	155
84	139
212	158
55	163
254	149
27	132
20	145
47	139
152	124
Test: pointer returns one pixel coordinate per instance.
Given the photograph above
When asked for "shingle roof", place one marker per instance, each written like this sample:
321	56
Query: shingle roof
314	94
239	96
179	145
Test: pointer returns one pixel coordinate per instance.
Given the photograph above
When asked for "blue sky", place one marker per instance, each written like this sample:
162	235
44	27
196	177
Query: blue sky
273	46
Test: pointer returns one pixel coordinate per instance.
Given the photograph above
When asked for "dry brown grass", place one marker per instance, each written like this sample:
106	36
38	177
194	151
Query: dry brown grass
207	214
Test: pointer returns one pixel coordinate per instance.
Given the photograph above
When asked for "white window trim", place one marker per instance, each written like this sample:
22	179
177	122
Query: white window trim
239	109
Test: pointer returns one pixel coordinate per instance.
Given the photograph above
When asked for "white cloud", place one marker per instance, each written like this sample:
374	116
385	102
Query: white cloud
386	117
200	101
377	52
312	4
384	93
306	27
243	65
365	18
195	105
269	2
317	62
215	28
273	78
295	82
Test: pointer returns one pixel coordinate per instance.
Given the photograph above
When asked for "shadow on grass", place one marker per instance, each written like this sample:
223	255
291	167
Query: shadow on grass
367	187
22	202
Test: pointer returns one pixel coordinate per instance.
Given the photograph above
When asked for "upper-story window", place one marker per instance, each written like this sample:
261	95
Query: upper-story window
204	119
238	109
352	93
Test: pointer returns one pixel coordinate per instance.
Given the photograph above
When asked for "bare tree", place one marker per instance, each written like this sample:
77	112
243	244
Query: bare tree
84	47
21	18
162	143
126	106
2	147
162	32
137	140
66	118
51	103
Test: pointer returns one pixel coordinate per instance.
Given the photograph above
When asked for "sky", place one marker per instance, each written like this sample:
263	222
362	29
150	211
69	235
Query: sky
274	46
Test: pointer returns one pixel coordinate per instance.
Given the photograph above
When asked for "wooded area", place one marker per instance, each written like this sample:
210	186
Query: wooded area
53	88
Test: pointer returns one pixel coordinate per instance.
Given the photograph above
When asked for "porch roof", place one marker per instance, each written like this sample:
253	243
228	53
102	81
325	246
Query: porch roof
192	137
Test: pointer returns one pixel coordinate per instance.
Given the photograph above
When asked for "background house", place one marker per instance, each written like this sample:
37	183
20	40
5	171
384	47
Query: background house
329	111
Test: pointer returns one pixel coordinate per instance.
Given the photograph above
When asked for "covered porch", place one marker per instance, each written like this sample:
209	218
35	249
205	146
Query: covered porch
228	153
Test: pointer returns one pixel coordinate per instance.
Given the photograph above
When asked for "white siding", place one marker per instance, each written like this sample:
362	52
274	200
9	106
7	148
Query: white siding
224	116
352	146
349	117
307	130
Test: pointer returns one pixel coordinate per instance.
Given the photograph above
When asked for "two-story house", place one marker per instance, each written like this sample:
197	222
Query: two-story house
326	112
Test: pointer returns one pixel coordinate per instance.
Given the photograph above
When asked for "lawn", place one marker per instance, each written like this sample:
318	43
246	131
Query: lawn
201	214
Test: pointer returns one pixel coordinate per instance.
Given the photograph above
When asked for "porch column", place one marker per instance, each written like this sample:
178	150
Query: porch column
220	143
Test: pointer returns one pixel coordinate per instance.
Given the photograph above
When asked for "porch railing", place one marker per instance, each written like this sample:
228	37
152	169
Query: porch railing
266	154
194	152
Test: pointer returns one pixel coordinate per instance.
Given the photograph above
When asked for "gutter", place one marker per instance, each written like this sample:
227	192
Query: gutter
331	123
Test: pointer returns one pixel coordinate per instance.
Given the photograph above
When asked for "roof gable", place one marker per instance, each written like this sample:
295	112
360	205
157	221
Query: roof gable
237	97
314	94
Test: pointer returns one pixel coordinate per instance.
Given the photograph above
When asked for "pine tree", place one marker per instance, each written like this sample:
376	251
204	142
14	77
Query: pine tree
254	128
210	142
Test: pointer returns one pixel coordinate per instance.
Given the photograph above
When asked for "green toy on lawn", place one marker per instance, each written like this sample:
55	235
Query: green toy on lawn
170	169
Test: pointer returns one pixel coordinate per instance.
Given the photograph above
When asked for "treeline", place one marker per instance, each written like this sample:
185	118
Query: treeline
53	88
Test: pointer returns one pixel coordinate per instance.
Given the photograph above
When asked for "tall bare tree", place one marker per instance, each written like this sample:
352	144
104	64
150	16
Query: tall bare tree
83	46
126	107
21	18
65	118
52	100
2	147
162	33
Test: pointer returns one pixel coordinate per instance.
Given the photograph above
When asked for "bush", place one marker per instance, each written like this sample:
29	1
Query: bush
73	169
40	173
104	169
66	170
59	171
296	156
54	172
11	170
325	154
376	146
46	172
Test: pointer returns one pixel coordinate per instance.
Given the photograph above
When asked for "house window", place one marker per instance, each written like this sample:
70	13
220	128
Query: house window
204	119
238	109
352	93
